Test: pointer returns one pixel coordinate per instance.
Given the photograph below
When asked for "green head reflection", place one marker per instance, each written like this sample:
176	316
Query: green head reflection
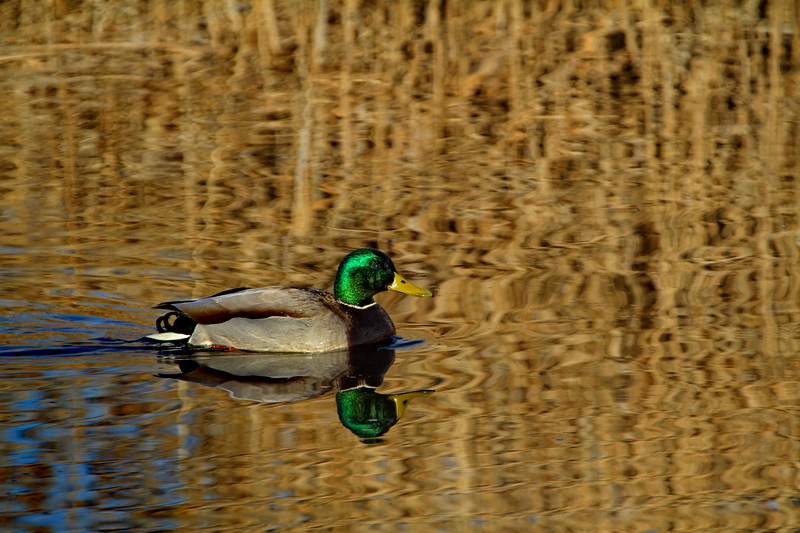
369	414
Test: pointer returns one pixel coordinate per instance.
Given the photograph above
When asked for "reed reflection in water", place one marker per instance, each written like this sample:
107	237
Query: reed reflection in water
604	200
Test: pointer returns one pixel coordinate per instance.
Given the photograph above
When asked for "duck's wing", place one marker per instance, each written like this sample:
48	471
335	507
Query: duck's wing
261	303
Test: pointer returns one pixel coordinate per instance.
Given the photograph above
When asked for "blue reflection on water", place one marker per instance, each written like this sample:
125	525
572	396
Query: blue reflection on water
85	431
64	334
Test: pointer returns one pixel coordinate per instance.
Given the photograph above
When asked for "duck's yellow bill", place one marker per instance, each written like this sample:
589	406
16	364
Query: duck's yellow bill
401	400
406	287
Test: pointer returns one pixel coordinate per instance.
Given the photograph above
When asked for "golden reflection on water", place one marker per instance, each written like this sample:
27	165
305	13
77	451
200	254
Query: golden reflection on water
604	202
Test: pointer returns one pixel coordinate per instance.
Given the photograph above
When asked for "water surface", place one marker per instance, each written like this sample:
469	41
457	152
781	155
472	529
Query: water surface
604	202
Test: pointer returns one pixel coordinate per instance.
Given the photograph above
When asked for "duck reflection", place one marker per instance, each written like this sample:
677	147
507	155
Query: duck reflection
354	374
368	413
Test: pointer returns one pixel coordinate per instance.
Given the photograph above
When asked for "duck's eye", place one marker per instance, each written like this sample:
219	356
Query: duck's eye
376	265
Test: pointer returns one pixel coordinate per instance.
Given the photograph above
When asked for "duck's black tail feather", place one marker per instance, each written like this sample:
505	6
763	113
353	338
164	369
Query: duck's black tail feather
175	322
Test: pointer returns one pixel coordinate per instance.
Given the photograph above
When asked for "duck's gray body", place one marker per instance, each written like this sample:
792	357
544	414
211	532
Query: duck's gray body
282	319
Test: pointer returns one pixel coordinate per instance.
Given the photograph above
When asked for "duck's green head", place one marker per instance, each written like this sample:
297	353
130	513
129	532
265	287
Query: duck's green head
365	272
368	413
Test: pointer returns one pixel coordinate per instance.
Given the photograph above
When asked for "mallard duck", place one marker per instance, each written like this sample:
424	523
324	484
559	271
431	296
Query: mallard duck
290	319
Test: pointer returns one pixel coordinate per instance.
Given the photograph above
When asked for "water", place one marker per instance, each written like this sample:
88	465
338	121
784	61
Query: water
111	440
603	201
